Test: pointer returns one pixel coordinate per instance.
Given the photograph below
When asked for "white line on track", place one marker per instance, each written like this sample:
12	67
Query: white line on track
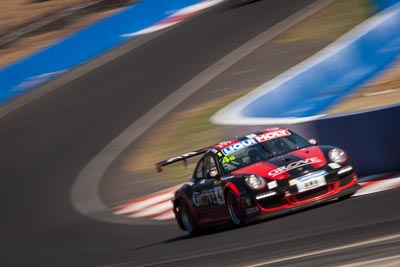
329	250
373	263
242	72
84	194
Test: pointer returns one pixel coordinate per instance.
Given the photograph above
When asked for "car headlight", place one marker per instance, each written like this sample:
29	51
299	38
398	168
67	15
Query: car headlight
255	182
337	155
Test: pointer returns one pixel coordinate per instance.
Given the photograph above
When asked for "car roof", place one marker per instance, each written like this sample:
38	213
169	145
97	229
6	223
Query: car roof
249	136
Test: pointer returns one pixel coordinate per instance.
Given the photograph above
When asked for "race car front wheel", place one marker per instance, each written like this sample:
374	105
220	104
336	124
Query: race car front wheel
235	208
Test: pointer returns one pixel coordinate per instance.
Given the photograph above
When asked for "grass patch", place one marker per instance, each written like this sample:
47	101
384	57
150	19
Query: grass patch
330	23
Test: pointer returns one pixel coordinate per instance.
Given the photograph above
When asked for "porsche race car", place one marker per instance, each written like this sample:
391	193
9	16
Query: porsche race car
260	175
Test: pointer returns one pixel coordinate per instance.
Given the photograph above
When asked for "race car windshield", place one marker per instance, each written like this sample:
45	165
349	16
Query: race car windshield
285	144
262	151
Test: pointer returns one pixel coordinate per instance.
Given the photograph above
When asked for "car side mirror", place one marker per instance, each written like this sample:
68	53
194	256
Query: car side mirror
213	174
313	141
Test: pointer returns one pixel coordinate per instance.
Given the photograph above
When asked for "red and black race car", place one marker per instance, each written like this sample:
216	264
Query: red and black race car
260	175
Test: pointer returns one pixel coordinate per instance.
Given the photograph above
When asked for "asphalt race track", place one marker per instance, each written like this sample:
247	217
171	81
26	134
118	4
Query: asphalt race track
46	143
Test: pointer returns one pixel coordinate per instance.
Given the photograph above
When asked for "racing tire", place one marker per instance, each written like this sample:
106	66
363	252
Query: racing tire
235	208
187	219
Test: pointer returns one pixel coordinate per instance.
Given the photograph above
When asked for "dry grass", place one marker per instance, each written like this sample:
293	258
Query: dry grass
14	14
30	44
381	91
329	23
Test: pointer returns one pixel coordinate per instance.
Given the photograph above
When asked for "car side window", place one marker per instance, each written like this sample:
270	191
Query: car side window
209	165
198	174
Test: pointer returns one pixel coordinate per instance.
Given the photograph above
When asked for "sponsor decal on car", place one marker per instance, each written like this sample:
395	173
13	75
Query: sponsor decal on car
224	144
271	135
310	181
334	165
213	173
252	210
239	145
294	165
209	196
228	159
272	185
217	182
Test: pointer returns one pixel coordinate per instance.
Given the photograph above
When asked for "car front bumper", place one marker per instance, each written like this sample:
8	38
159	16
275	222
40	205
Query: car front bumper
294	202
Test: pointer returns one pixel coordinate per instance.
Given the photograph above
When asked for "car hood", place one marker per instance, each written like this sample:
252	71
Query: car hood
292	164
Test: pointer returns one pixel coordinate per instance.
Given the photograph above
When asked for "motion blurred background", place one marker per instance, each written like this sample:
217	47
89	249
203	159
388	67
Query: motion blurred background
46	143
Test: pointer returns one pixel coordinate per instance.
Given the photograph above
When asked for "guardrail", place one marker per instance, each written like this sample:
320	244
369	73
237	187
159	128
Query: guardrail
298	96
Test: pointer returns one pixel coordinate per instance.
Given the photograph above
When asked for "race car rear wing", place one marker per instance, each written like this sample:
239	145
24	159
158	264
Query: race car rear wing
182	157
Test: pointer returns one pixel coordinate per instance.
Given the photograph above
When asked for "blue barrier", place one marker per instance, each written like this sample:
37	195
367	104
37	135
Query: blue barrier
370	137
83	45
382	4
331	76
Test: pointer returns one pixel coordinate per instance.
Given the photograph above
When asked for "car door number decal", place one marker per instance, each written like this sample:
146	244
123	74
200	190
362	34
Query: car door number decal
227	159
209	196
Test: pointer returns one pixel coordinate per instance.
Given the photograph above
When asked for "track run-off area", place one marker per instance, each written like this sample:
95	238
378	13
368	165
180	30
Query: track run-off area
49	141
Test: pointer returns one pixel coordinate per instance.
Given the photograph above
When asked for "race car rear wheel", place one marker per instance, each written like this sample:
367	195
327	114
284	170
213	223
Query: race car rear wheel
187	219
235	208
